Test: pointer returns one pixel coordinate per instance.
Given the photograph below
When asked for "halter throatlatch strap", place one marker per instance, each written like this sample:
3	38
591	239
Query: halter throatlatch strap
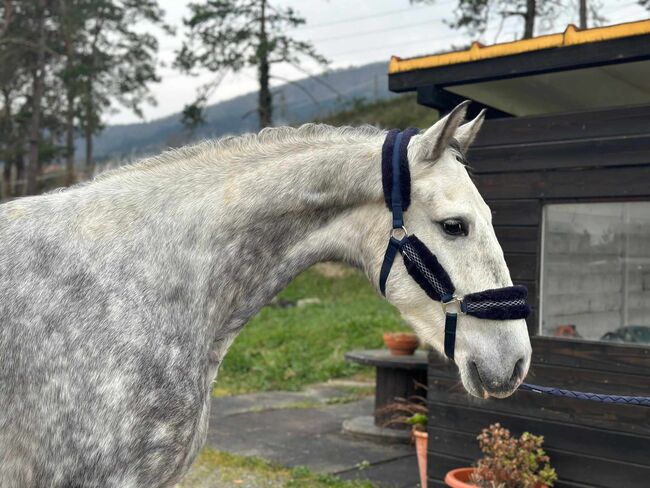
508	303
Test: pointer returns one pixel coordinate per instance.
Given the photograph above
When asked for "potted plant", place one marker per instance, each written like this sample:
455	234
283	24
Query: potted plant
412	411
507	462
401	343
418	422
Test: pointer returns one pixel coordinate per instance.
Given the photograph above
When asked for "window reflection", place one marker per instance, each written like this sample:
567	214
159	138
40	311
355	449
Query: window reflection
596	271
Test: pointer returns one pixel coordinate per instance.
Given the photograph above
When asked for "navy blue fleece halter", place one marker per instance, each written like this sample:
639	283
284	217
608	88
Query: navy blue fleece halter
507	303
499	304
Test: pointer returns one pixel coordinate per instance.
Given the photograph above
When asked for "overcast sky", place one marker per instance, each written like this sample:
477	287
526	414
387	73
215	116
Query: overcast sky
348	33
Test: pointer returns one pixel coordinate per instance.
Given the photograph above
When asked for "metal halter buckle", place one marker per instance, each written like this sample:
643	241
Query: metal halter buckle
403	229
454	304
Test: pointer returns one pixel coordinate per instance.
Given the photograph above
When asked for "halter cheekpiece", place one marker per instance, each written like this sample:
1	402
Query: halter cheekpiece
508	303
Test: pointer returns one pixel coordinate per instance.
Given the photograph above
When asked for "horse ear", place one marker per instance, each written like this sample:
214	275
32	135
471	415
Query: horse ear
466	133
437	138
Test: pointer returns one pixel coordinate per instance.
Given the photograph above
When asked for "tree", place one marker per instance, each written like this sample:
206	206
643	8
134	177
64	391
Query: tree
38	77
72	19
64	64
232	35
583	13
475	15
117	61
18	59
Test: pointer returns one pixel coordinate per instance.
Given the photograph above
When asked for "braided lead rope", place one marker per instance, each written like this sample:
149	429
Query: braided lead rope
594	397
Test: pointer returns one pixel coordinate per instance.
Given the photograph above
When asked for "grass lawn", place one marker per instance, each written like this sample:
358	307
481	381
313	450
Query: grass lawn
214	468
287	347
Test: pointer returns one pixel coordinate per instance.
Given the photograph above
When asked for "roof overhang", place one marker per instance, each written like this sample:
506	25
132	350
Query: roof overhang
571	71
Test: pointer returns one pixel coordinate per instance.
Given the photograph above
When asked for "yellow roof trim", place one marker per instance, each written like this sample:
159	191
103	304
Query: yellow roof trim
571	37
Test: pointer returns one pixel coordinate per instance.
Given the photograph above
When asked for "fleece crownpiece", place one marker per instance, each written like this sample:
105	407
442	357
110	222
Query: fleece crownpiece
508	303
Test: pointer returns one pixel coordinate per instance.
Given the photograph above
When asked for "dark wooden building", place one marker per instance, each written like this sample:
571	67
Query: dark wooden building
564	163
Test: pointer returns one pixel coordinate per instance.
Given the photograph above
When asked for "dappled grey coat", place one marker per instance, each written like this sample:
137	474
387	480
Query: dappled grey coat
118	299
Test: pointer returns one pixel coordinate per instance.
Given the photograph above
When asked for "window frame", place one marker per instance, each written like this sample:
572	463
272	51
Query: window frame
540	269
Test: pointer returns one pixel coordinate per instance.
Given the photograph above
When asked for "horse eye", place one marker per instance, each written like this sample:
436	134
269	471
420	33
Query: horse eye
454	227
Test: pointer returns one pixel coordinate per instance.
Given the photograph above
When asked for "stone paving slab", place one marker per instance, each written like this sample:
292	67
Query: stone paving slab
265	425
271	400
397	473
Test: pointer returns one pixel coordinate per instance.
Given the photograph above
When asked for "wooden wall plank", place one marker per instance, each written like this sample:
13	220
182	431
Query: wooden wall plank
589	380
440	464
569	437
631	419
564	127
603	357
515	212
597	183
518	239
532	321
599	356
589	153
523	267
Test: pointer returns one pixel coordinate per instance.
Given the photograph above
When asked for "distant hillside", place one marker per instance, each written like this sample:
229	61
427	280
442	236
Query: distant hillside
292	106
396	112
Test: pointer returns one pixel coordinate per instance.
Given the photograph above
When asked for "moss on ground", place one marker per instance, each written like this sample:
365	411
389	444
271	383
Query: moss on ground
215	468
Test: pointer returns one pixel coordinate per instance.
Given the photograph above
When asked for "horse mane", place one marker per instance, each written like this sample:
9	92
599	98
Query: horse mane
270	141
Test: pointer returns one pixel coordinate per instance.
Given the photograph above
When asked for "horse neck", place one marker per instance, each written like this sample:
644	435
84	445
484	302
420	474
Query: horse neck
292	212
264	220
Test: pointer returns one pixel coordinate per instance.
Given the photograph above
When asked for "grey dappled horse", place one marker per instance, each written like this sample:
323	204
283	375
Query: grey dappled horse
120	297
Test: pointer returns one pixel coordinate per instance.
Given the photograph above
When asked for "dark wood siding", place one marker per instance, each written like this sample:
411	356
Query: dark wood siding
590	444
519	164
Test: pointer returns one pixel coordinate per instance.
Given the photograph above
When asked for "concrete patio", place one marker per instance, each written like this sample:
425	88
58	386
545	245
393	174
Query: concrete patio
305	429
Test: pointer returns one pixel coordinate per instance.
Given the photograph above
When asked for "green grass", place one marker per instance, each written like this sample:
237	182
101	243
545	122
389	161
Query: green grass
216	468
287	348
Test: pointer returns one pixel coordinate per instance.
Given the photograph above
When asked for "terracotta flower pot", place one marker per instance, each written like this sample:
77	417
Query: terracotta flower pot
421	443
401	343
459	478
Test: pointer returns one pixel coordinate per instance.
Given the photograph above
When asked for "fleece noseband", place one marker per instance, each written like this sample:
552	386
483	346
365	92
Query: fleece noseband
508	303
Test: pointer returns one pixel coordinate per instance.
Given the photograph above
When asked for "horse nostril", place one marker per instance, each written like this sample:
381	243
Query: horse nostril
518	371
476	373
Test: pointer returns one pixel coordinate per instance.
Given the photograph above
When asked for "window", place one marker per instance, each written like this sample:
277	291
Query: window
596	271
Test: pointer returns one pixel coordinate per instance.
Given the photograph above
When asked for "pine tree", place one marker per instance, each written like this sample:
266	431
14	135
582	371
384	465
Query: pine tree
72	17
475	15
236	34
14	85
38	87
117	61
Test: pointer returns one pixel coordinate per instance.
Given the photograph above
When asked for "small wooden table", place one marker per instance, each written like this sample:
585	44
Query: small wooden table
396	376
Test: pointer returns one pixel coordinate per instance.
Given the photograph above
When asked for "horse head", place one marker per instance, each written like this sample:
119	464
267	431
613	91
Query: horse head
454	223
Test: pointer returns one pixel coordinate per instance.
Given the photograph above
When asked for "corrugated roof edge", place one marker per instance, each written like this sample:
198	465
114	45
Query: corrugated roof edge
570	37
